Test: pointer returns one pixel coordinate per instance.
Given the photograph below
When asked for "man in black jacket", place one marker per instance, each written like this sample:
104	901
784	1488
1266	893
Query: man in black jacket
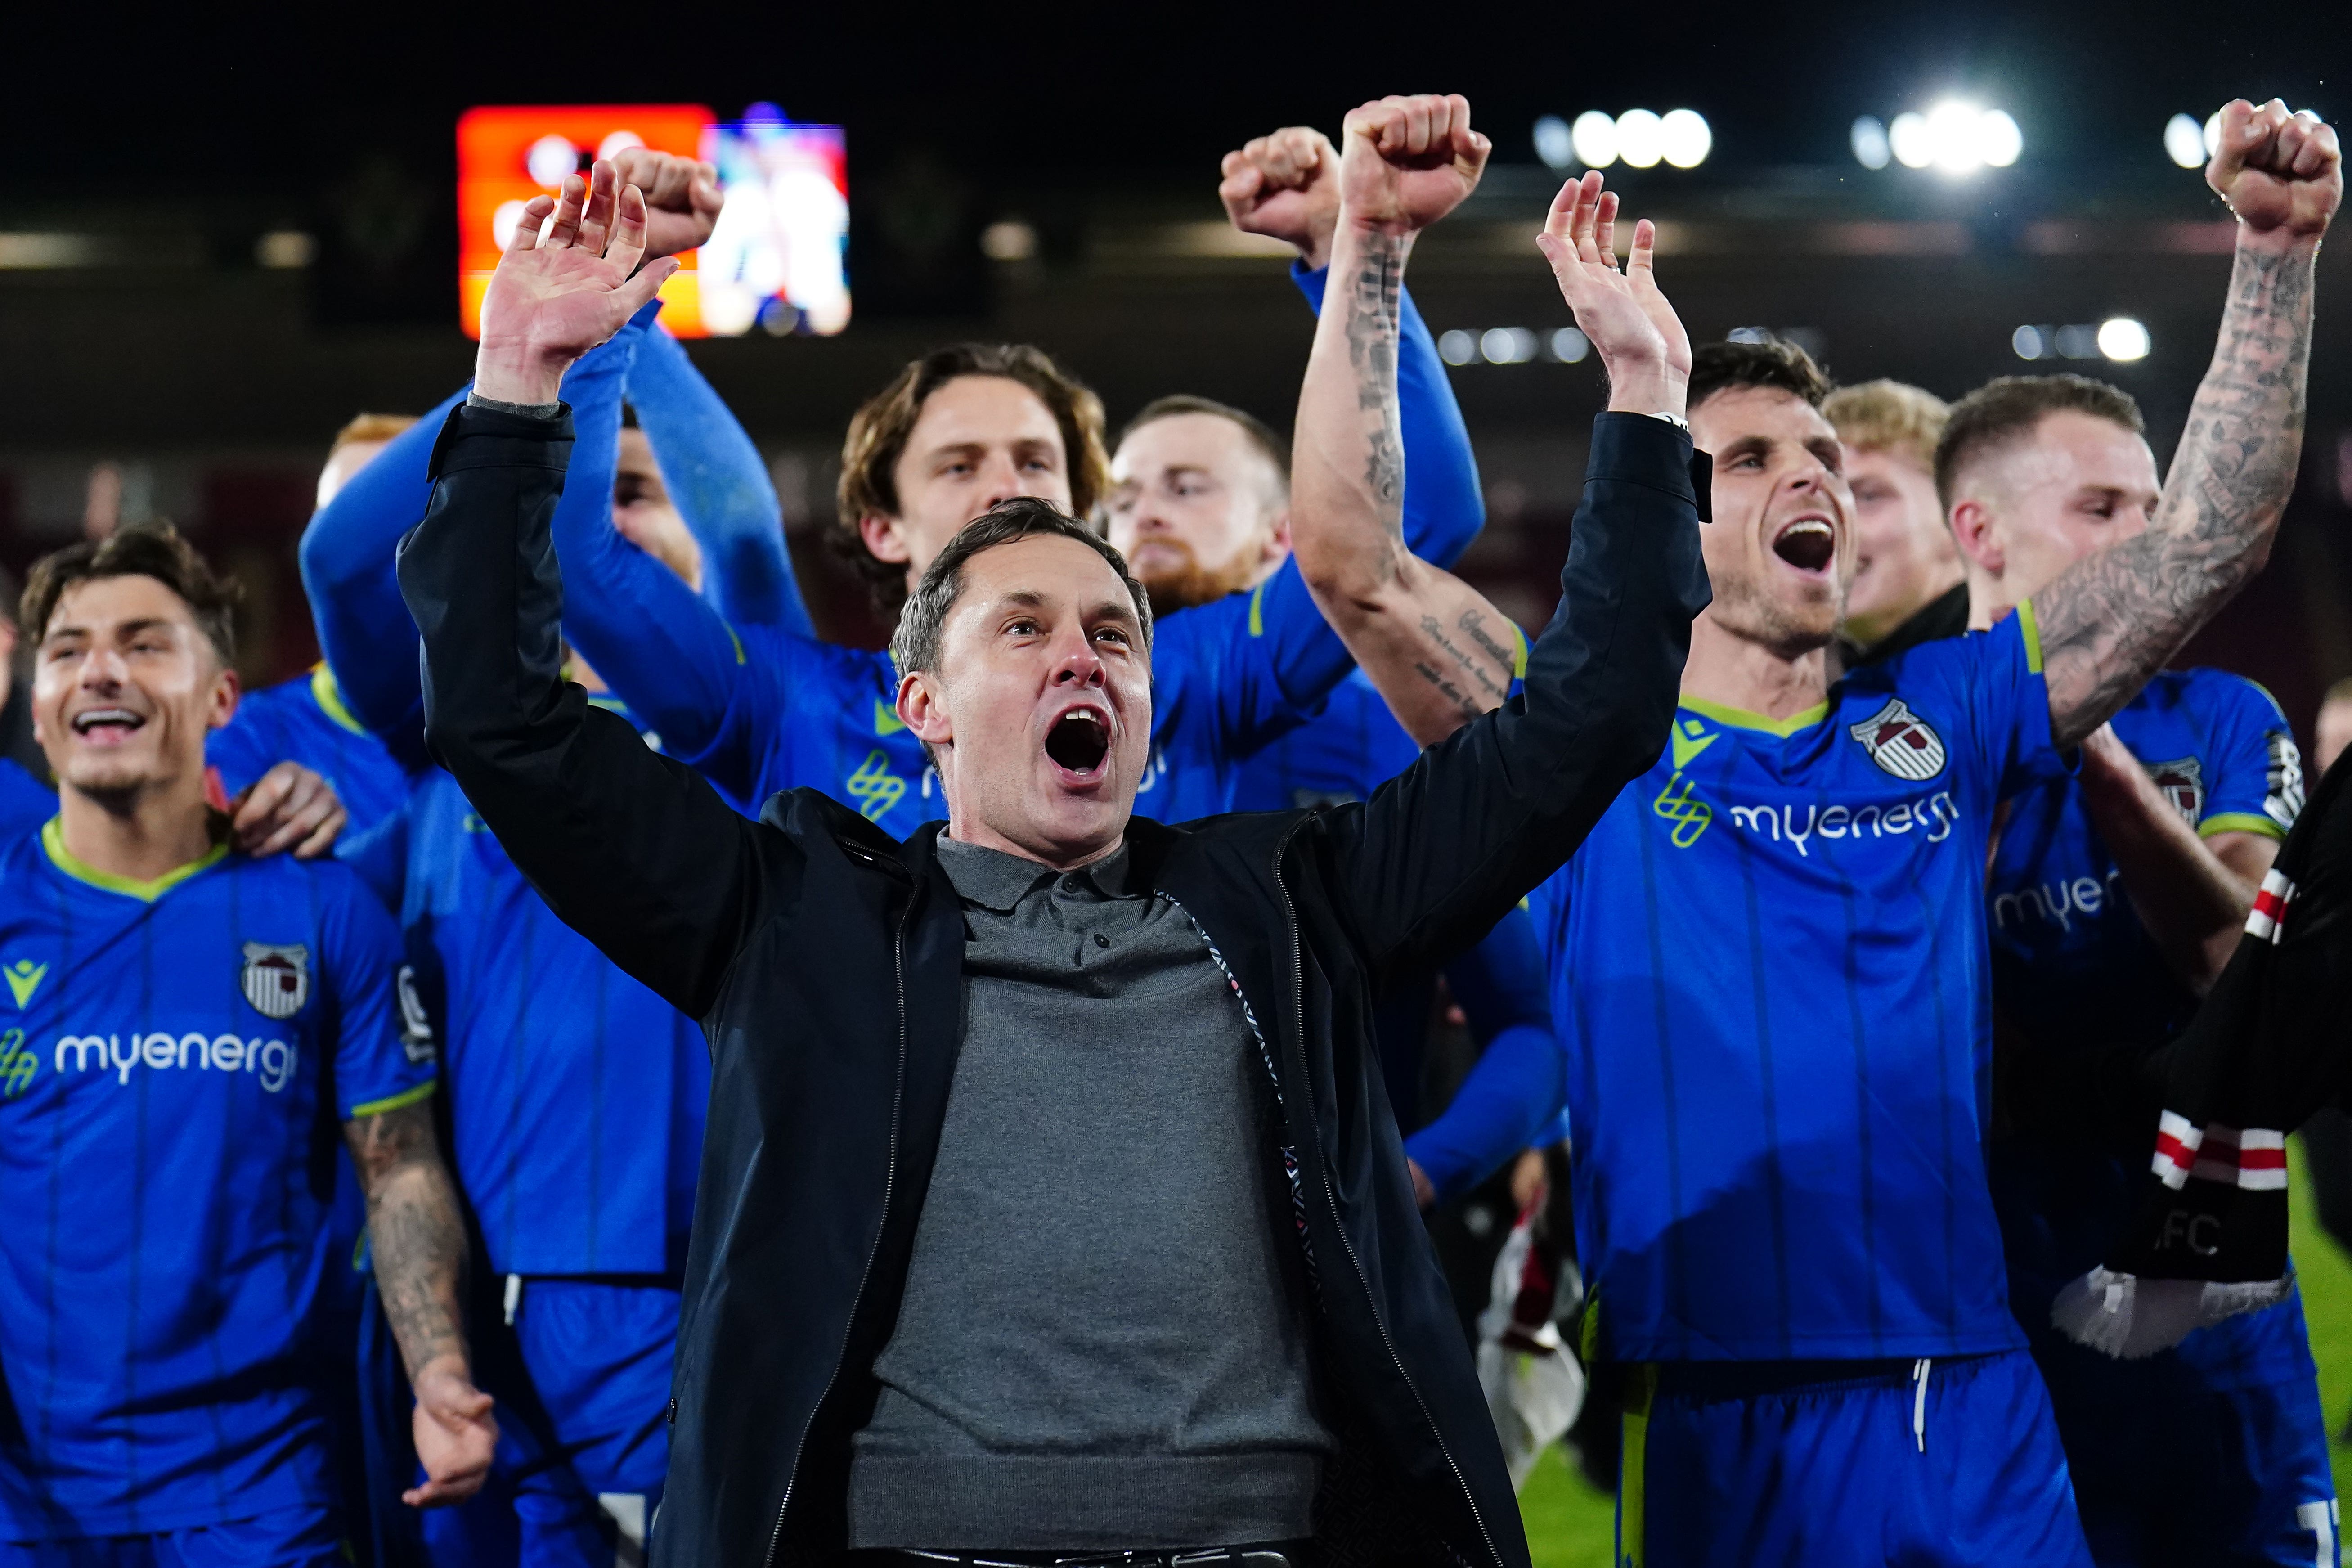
1050	1206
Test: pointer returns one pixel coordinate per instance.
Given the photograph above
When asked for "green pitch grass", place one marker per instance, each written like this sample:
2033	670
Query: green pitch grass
1568	1523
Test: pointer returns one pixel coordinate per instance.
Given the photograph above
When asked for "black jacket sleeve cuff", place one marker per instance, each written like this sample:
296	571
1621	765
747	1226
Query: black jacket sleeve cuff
474	436
1635	449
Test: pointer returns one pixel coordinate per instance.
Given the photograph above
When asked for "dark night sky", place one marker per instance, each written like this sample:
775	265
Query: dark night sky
109	102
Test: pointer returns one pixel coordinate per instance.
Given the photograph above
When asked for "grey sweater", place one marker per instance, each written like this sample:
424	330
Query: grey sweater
1098	1346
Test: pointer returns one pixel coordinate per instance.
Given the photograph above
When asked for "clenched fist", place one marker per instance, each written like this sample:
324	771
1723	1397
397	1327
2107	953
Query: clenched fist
2282	174
682	197
1407	162
1285	186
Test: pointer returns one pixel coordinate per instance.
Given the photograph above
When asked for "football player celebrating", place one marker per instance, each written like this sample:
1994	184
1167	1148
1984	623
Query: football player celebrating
1780	1049
2117	893
188	1022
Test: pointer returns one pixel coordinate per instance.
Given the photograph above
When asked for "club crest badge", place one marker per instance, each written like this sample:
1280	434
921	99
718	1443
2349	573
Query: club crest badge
1900	741
2182	785
277	979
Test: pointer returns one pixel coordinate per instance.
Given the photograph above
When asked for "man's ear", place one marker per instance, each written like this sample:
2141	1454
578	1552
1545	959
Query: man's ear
1275	550
883	539
221	706
922	709
1975	532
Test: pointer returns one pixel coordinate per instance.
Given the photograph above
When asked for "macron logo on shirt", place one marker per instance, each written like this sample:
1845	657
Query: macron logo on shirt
269	1061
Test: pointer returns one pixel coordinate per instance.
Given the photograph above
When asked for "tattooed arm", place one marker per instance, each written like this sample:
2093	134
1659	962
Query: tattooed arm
2113	619
418	1240
1437	650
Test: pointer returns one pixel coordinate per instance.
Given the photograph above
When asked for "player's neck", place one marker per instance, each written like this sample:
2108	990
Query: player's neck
1733	672
1990	601
139	837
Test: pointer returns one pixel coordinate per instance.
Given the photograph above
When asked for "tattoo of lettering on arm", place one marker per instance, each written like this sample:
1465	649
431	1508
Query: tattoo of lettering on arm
2112	620
1373	311
1480	672
415	1230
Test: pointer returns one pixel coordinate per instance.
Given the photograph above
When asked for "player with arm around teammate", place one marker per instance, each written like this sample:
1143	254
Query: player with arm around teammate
1780	1057
2117	891
189	1025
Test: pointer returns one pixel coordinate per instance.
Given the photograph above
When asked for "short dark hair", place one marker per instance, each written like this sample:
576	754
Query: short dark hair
1774	363
878	432
1271	446
922	623
143	550
2011	408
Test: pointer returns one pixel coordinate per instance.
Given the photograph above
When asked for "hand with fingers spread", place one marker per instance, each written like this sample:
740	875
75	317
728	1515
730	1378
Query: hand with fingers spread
559	293
289	807
682	197
1404	162
2282	174
1285	186
1640	339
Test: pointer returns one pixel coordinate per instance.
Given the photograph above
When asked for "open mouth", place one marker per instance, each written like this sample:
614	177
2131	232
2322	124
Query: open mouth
1079	741
106	725
1809	544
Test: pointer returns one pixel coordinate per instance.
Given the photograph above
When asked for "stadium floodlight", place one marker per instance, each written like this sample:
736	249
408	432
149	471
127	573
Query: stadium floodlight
1999	140
1570	346
1685	137
2029	343
1508	345
1871	149
1555	145
1641	139
2184	141
1594	137
551	161
1457	347
2212	133
2121	338
1952	139
1908	140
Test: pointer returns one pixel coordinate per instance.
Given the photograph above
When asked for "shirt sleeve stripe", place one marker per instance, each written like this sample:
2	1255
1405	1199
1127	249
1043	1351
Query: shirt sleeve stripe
2240	822
2031	633
400	1101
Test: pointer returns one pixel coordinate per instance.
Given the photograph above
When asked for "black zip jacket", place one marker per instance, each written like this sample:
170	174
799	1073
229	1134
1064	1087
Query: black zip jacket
825	960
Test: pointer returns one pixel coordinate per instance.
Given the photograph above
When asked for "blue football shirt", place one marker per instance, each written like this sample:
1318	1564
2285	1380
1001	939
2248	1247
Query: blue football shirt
1769	974
25	802
176	1056
576	1096
2074	969
304	721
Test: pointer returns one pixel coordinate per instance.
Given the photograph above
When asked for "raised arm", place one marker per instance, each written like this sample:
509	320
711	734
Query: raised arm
630	848
721	487
1439	854
346	559
2112	620
1285	186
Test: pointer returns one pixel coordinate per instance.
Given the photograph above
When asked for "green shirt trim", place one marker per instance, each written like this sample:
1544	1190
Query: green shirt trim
2030	630
2240	822
1740	718
401	1101
328	693
53	841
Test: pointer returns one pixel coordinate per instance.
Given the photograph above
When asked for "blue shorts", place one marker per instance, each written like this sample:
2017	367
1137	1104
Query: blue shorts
1830	1465
584	1451
2215	1452
285	1538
